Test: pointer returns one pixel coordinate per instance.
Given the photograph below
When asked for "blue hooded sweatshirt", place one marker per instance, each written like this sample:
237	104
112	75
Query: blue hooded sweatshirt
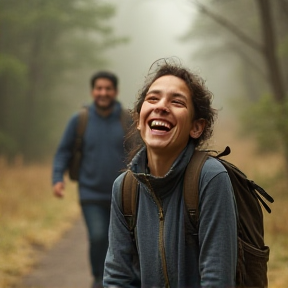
103	154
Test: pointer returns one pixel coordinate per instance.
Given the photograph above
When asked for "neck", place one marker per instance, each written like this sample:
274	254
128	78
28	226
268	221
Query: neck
104	112
160	160
159	164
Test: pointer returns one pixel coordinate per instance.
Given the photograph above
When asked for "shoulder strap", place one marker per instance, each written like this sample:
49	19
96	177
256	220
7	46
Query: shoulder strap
130	200
191	179
191	183
81	126
82	121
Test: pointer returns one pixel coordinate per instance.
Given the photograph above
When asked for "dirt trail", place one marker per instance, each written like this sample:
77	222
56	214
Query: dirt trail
65	265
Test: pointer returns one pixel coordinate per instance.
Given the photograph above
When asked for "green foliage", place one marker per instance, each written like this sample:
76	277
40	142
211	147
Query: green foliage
283	48
42	44
267	121
7	145
13	68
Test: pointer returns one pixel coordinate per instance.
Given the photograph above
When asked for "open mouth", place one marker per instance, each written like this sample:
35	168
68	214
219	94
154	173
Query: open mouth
160	125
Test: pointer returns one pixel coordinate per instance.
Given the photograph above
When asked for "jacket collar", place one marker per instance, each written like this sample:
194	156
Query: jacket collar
162	186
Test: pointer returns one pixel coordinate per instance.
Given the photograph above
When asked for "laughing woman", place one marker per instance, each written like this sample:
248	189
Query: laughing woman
174	116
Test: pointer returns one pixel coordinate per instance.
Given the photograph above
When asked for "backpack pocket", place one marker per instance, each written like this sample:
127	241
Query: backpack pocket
252	265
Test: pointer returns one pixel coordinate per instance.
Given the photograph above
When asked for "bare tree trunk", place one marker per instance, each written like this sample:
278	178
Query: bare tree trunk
267	49
270	50
230	26
273	66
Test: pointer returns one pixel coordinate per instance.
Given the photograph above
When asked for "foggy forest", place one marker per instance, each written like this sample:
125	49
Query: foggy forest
50	49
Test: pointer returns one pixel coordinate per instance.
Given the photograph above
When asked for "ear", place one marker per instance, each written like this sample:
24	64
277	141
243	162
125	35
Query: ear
138	125
198	127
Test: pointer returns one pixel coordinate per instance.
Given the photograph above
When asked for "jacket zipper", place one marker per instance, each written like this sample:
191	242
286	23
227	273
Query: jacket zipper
161	234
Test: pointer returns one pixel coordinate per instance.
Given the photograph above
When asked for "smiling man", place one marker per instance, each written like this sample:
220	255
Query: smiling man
174	117
102	160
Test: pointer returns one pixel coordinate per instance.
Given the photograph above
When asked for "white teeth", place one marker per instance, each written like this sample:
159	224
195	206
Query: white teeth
160	123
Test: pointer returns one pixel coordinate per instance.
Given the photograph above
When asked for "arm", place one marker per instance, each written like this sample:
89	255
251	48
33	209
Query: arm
121	267
63	156
217	232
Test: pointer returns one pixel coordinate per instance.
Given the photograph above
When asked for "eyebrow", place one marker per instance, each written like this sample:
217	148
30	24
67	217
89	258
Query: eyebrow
174	95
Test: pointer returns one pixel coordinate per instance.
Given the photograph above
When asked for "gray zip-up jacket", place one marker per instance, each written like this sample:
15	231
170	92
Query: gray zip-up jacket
166	254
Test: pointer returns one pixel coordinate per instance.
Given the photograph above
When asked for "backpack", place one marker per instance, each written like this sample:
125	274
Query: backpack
253	254
74	163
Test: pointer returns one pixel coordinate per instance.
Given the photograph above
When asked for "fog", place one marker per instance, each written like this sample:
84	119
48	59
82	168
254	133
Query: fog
47	64
154	28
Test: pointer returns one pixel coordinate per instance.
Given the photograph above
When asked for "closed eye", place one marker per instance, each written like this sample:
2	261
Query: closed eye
179	103
151	98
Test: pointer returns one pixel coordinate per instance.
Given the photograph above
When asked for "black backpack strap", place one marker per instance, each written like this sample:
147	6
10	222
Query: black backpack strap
191	185
130	201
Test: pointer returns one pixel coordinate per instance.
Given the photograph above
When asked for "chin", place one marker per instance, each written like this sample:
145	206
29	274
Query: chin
155	145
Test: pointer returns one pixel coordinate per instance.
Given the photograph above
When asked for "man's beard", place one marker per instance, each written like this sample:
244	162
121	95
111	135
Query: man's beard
105	108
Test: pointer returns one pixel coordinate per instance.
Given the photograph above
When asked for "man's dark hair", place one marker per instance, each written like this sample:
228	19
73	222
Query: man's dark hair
201	97
104	74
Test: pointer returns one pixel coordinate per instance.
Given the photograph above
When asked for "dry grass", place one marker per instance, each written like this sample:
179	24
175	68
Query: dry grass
31	218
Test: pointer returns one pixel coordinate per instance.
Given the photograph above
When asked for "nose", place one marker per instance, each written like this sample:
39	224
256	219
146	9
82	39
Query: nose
162	107
103	91
162	110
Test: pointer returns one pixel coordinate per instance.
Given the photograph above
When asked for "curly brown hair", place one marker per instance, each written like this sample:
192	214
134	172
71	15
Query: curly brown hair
200	95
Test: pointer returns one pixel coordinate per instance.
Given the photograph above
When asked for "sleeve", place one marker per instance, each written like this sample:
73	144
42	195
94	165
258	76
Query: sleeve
217	229
121	267
64	151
